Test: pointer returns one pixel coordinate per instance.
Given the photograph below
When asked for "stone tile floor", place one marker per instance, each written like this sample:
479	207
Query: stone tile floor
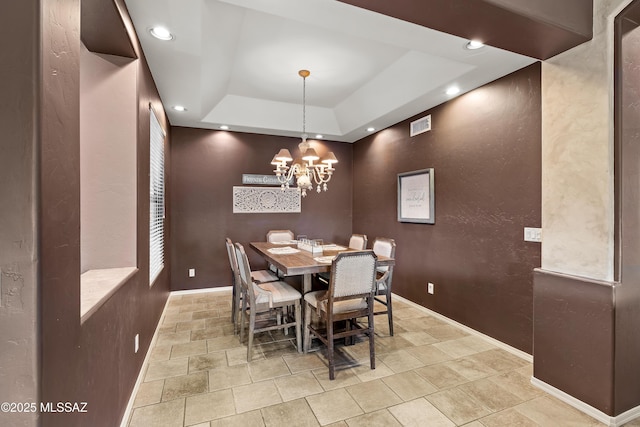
429	374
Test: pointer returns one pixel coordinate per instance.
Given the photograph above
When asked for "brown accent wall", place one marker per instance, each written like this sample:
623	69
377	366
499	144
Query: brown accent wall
19	343
206	164
627	293
574	337
93	362
484	147
540	29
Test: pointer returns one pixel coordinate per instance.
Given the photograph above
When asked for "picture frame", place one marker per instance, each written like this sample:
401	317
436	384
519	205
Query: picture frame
416	202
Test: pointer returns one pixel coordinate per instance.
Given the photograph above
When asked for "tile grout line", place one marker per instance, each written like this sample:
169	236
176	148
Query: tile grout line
128	413
263	411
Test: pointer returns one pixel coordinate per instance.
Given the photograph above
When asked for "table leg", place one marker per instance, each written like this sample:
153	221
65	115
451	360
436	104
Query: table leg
306	287
306	283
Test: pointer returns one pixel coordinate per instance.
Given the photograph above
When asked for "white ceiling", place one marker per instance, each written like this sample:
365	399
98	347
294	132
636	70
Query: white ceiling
236	62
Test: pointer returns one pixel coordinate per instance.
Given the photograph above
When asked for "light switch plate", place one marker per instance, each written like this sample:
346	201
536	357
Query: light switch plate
192	272
532	234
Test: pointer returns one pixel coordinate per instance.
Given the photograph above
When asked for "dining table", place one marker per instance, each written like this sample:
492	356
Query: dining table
293	261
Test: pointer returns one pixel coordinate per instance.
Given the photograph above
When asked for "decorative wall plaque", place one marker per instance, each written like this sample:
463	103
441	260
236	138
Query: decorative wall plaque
253	179
265	200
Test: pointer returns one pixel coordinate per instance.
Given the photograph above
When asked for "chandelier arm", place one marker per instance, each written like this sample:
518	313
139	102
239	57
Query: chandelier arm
284	174
322	177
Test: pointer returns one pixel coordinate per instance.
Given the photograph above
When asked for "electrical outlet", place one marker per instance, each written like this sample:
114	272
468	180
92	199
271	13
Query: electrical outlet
192	272
136	343
430	288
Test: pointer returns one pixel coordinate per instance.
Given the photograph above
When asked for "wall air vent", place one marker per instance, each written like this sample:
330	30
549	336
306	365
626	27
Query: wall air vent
421	125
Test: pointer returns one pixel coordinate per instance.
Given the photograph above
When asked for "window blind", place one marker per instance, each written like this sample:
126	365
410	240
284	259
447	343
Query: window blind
156	183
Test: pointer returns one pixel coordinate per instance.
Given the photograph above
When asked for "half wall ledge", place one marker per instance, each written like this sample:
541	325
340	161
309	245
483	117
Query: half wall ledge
97	286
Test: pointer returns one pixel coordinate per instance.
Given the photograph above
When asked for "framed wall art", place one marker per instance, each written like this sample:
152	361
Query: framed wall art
415	196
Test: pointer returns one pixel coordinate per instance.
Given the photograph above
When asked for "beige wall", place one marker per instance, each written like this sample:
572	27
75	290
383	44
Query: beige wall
108	108
577	153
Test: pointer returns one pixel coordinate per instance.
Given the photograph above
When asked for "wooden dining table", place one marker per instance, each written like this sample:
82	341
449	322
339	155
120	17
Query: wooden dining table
303	262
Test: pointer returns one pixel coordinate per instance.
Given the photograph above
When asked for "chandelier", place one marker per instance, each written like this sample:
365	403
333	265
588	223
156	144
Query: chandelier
305	171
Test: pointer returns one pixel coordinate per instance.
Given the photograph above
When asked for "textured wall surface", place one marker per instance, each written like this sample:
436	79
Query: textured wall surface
19	345
484	147
205	165
586	294
577	153
92	362
627	343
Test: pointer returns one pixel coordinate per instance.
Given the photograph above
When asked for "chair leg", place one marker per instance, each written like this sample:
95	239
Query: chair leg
298	322
252	326
307	323
242	316
332	373
279	316
348	340
234	305
285	315
372	347
237	297
390	313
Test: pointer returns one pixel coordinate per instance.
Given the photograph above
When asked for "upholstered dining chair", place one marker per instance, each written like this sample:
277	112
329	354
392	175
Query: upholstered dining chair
350	296
259	276
386	247
357	242
265	298
279	235
274	236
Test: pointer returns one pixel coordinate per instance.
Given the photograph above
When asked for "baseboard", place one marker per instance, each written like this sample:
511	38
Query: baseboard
616	421
521	354
201	291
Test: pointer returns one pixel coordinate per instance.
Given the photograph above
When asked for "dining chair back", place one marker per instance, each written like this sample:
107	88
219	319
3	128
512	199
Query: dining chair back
279	235
259	276
350	297
358	242
385	247
274	236
265	298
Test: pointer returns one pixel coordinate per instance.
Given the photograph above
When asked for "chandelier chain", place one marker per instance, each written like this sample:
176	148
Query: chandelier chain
304	107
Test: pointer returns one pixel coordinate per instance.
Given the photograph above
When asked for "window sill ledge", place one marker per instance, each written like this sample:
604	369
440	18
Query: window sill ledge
96	286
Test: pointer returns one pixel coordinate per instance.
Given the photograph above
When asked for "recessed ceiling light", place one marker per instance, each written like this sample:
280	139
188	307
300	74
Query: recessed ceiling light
318	136
453	90
224	127
474	44
179	108
370	129
161	33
